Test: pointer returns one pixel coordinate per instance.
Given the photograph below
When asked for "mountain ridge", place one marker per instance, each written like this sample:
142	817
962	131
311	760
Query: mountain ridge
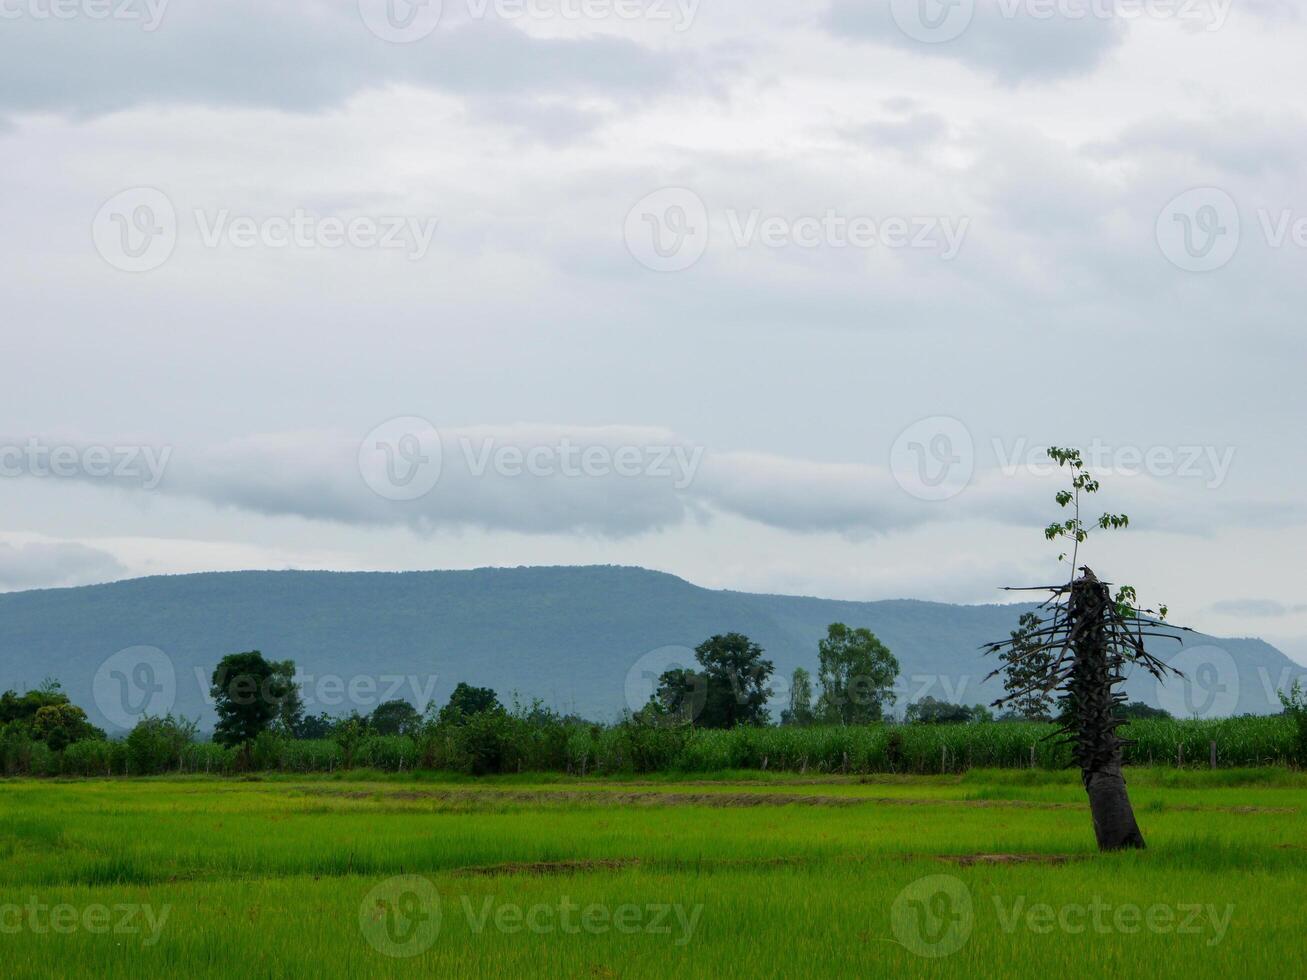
588	638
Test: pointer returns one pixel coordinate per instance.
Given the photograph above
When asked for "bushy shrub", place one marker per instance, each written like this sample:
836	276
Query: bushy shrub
158	745
91	757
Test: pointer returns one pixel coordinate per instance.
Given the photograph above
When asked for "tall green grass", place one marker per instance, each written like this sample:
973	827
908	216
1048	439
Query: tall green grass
519	746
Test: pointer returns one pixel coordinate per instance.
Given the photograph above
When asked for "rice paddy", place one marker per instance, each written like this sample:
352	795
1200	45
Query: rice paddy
742	874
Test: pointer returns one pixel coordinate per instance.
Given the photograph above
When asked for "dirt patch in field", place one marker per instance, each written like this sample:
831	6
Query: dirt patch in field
967	860
649	798
598	797
1192	807
546	868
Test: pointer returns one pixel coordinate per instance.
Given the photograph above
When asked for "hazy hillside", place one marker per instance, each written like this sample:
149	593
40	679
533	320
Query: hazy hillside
568	635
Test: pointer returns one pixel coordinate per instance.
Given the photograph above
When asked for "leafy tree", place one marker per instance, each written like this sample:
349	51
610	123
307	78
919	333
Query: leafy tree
467	701
45	715
930	711
735	676
857	674
1295	706
680	697
349	733
60	725
290	708
23	707
800	710
316	726
396	717
248	693
1136	710
158	744
1025	660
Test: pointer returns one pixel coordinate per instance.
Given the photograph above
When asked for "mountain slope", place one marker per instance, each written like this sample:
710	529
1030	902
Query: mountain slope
579	638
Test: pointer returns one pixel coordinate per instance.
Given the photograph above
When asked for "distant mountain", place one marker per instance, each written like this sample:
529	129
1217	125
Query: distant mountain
586	639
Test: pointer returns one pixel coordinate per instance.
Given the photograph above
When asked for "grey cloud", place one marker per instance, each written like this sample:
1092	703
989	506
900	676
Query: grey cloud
540	479
1246	145
299	56
54	565
1011	48
317	476
910	134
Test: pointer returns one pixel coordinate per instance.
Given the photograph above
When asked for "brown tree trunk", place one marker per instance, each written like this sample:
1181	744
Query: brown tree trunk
1091	719
1114	818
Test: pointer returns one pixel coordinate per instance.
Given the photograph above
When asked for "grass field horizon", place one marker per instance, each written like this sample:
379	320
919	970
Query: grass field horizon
726	873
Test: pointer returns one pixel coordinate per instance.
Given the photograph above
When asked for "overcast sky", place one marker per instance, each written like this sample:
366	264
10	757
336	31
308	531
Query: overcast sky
776	296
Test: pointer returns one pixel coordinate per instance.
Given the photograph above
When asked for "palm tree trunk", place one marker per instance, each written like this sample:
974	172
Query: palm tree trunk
1089	716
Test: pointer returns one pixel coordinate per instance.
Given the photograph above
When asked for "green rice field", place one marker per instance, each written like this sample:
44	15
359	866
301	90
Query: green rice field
986	873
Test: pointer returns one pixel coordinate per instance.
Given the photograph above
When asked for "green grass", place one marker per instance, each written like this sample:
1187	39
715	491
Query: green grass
791	875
